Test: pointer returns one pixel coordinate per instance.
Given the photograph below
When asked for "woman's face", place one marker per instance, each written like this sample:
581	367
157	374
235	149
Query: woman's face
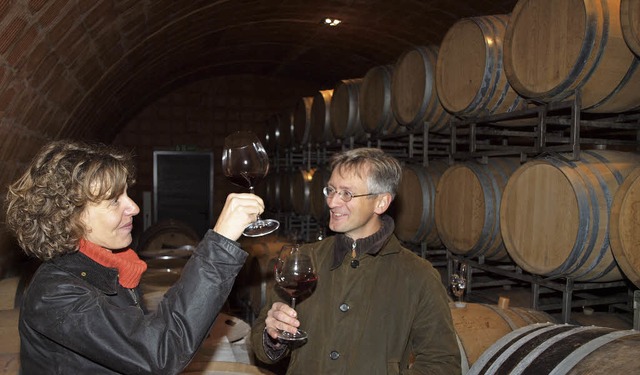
109	222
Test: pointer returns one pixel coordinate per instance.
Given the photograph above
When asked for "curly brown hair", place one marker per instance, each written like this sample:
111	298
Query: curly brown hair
45	203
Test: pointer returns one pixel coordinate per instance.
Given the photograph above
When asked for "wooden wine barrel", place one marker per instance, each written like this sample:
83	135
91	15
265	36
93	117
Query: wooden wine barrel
167	259
376	115
10	343
319	208
567	204
414	212
413	90
10	287
300	190
559	349
271	195
258	276
302	120
286	191
470	78
321	117
167	234
478	326
577	45
285	129
224	368
272	132
154	284
15	283
223	343
630	21
624	224
345	112
468	199
167	244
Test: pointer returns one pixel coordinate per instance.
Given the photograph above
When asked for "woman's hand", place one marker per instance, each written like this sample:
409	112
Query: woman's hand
281	317
239	211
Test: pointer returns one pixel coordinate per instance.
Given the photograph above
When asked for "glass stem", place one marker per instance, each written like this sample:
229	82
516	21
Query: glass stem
251	191
293	302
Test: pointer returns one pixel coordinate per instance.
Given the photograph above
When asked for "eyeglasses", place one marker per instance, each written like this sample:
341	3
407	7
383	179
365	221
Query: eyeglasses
345	195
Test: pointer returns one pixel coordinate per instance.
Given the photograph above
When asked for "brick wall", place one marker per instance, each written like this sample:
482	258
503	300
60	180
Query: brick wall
199	116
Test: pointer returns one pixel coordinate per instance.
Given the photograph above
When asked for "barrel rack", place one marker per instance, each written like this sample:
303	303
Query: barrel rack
539	130
534	132
574	294
542	129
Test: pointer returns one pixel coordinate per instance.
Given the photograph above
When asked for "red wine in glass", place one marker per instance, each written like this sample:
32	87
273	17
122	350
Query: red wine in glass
295	273
298	285
245	163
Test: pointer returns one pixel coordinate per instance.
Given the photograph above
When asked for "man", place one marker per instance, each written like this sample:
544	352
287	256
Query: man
378	308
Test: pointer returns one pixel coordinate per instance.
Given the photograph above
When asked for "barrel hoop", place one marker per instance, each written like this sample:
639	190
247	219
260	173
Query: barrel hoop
427	180
616	173
386	105
516	103
427	89
623	82
498	198
596	215
422	231
486	233
609	199
504	316
530	316
484	173
584	350
604	249
535	353
570	169
442	120
491	354
427	193
464	362
506	88
603	43
584	56
491	63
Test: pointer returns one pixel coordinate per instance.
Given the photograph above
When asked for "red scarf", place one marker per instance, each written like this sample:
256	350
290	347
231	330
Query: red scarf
130	267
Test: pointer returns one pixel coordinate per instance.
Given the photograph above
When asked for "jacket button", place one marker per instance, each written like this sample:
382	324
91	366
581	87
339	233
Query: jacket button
344	307
355	263
334	355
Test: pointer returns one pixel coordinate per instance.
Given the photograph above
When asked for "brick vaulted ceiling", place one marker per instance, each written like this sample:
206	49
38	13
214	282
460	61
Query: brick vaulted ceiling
83	68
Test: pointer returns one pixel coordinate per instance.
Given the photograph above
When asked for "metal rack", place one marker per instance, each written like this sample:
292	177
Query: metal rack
567	286
538	130
543	128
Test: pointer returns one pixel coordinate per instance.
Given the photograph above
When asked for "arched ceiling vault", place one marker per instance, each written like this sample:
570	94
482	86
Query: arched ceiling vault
85	68
162	44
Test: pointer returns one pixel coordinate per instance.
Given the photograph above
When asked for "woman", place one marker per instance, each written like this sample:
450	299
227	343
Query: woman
82	312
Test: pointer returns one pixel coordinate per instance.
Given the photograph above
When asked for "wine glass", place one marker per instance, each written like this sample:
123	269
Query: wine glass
295	273
245	162
459	284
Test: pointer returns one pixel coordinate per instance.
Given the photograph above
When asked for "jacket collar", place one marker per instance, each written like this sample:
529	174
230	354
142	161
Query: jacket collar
83	267
371	245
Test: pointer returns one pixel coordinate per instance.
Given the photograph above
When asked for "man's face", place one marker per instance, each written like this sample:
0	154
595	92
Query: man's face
357	218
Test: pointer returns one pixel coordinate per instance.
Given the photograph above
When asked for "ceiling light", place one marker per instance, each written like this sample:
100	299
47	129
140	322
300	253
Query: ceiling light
331	21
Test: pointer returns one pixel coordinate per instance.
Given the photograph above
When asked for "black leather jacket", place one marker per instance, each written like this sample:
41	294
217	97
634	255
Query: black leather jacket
77	319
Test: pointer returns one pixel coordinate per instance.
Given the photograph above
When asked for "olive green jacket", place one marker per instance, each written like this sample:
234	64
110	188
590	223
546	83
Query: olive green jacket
369	315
